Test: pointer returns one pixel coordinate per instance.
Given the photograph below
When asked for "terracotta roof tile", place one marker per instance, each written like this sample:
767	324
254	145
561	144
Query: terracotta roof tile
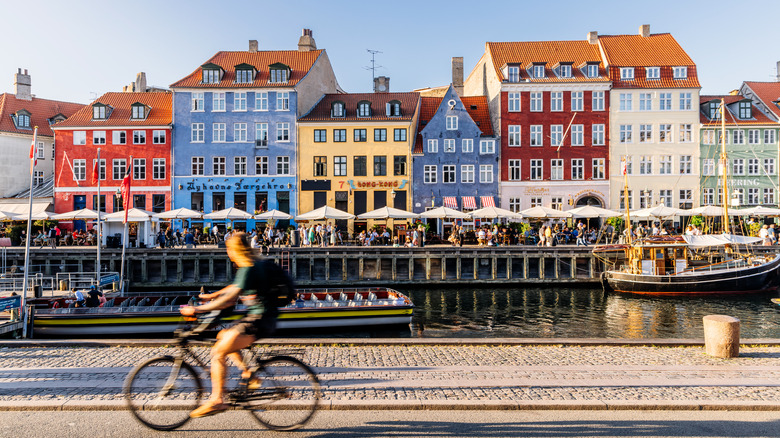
769	93
41	110
665	81
159	115
759	118
299	62
476	106
527	53
657	50
321	111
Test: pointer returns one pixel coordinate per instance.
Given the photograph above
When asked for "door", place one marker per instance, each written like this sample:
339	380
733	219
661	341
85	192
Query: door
79	202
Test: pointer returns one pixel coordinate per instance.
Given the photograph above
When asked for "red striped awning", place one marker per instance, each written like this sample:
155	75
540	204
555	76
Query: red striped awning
487	201
469	203
451	202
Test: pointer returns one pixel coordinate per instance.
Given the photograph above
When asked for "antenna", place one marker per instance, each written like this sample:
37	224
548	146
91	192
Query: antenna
373	66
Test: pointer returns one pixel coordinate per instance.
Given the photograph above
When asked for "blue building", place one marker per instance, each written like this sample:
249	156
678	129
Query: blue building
235	142
455	158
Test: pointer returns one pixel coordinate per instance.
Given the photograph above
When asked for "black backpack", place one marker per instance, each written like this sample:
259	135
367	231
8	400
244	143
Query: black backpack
281	289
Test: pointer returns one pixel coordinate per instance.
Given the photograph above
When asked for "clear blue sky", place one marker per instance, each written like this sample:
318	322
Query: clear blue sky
77	50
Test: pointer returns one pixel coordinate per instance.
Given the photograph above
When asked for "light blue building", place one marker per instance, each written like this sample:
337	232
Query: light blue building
234	142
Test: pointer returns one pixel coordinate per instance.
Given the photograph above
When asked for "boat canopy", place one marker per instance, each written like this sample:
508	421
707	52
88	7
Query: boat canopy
720	240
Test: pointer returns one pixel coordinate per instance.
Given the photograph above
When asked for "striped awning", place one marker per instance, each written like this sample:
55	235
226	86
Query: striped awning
487	201
469	203
451	202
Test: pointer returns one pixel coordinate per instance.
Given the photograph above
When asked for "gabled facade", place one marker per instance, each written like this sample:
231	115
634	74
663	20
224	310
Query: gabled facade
455	157
355	153
751	147
122	125
235	119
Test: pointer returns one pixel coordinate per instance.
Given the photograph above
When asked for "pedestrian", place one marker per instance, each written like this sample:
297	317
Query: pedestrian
53	238
581	239
215	233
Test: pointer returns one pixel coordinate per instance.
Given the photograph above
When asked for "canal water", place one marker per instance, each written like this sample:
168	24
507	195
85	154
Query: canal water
561	312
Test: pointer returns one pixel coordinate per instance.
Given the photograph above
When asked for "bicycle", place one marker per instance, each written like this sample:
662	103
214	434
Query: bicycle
161	392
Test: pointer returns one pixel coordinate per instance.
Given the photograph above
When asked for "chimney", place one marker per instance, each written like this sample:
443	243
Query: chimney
22	85
381	84
457	74
593	37
252	46
140	82
644	30
306	42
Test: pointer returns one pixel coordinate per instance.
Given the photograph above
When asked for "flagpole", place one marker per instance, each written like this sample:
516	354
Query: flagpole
98	238
27	240
125	205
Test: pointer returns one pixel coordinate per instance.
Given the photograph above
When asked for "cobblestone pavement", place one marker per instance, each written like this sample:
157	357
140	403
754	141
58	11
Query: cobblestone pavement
415	375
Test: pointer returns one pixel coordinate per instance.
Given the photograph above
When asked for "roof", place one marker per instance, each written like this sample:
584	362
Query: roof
321	111
41	110
552	53
657	50
160	104
299	62
758	117
476	106
45	190
769	93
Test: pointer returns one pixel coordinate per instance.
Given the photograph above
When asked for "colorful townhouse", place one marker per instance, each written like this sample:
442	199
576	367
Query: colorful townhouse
20	113
752	149
654	114
235	122
122	125
455	156
355	154
549	103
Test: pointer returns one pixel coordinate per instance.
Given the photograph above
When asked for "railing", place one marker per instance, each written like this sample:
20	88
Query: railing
49	285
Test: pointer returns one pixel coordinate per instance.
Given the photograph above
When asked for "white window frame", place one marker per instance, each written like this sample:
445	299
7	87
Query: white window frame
486	173
433	146
680	72
515	169
467	173
686	101
664	101
197	102
261	134
738	166
578	169
513	102
467	145
738	136
708	136
218	166
753	166
79	138
218	133
652	73
513	137
626	102
556	135
769	166
665	133
283	132
261	101
686	133
218	102
598	134
79	170
556	101
139	168
770	136
487	147
556	169
239	166
646	165
768	196
240	133
159	168
430	175
282	101
159	136
536	101
537	170
198	166
708	196
577	101
626	133
261	165
686	164
597	98
708	167
645	101
118	169
119	137
98	137
626	73
578	135
536	136
452	123
599	168
239	101
754	136
139	136
449	145
448	174
665	165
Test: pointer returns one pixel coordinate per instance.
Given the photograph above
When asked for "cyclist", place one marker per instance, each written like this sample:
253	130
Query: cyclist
250	284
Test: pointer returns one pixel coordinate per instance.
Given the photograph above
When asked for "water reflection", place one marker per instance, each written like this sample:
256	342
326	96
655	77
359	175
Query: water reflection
580	313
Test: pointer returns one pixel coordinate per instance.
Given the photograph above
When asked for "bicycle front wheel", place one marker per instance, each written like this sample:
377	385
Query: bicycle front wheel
162	392
288	396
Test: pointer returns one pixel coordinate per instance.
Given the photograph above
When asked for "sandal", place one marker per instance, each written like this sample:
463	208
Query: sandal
207	409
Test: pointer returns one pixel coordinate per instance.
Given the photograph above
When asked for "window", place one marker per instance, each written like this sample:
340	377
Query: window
714	109
399	134
599	168
665	102
556	135
448	174
625	134
576	101
359	135
218	132
261	165
645	101
79	137
514	170
380	134
686	133
399	165
320	166
239	101
513	102
158	136
79	170
665	197
196	102
394	108
364	109
452	123
138	112
98	112
196	133
598	101
283	132
429	174
283	101
514	135
536	202
708	167
98	137
626	73
513	73
769	166
645	133
752	166
556	203
158	168
40	152
740	195
320	135
665	165
449	145
282	165
536	135
261	101
486	173
686	198
738	166
37	178
139	168
487	147
738	136
686	101
218	165
198	166
628	161
598	135
261	134
536	102
244	76
359	163
537	169
337	109
380	165
210	75
680	72
538	71
708	196
556	169
556	101
645	198
623	200
239	166
593	70
467	145
119	137
433	145
708	136
753	136
626	103
467	173
577	135
653	73
646	165
119	169
686	164
278	75
339	135
22	119
769	196
565	70
218	101
578	168
770	136
665	133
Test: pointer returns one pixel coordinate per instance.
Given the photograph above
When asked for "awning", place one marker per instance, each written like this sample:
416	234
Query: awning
487	201
21	208
719	240
469	203
450	202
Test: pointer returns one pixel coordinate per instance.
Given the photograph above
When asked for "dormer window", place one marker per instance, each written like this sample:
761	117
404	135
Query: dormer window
56	119
592	71
513	73
714	110
538	71
626	73
280	73
212	73
653	72
99	111
565	71
138	111
337	109
22	119
245	74
393	108
680	72
364	109
745	110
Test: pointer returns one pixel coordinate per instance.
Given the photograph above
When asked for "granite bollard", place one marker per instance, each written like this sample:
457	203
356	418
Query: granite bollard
721	336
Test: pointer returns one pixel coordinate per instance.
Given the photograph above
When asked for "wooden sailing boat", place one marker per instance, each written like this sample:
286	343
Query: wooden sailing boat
693	265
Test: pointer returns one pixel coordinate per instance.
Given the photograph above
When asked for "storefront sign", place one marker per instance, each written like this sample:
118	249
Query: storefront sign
741	182
204	186
354	185
537	191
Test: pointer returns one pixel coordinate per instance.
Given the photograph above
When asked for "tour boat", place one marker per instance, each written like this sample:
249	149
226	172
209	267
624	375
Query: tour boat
159	314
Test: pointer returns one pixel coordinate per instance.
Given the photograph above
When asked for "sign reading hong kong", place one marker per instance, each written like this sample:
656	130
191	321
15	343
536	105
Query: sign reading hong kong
238	185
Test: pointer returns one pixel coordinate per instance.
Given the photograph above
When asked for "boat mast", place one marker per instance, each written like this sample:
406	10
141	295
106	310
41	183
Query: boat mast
625	196
724	165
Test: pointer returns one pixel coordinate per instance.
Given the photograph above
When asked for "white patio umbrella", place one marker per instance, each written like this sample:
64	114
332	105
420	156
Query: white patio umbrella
273	215
492	212
133	215
388	213
590	211
324	213
6	216
83	214
540	212
760	211
179	213
230	214
444	212
659	211
707	211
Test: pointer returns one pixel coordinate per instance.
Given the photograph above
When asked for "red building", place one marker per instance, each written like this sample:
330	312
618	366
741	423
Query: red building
550	103
122	125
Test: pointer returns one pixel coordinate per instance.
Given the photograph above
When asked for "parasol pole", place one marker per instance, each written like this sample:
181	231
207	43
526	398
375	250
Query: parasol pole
724	165
27	239
98	238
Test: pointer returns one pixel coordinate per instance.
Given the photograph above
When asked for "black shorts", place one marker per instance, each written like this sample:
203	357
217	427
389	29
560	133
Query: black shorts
259	327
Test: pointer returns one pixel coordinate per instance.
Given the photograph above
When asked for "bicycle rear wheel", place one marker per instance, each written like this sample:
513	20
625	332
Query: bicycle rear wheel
288	396
162	392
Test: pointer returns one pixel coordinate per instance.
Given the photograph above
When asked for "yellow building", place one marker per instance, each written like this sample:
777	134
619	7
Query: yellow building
354	154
